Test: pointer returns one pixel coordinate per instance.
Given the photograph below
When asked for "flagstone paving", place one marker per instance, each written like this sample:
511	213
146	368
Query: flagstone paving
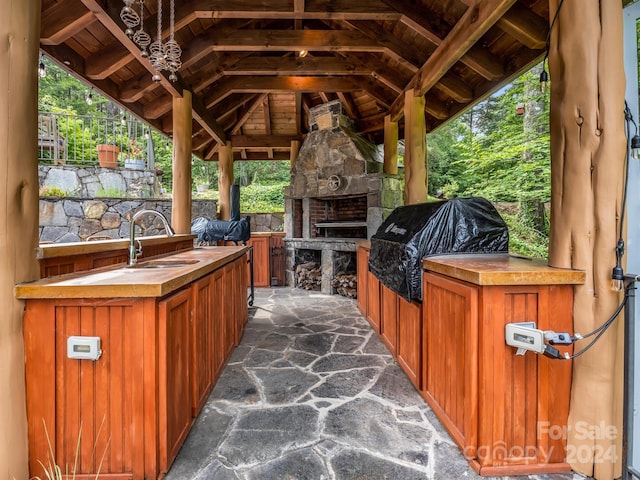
312	394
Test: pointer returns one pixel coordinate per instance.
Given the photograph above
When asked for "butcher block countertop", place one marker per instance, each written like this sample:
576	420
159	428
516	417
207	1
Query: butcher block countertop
501	269
51	250
155	277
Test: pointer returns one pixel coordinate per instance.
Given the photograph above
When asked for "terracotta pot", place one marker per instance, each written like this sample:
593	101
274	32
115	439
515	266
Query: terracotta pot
108	155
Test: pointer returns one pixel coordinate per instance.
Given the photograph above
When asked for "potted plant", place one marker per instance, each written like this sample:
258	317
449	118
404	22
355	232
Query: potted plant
108	155
134	161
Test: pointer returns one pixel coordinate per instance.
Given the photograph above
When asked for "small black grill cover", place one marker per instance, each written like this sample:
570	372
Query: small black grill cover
213	230
413	232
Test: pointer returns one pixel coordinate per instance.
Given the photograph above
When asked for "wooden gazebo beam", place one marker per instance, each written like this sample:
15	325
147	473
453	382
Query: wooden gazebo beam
471	27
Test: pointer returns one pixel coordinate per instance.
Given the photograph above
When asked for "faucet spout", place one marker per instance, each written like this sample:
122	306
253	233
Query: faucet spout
135	250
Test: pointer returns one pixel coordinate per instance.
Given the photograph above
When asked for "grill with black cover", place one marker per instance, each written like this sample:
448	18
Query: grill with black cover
413	232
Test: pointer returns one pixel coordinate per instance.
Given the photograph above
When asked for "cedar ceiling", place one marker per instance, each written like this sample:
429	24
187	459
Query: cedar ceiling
250	86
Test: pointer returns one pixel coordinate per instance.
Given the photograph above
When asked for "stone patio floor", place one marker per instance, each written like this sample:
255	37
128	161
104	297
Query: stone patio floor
312	393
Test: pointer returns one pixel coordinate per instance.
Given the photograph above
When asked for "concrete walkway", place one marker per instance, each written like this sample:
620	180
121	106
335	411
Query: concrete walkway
311	393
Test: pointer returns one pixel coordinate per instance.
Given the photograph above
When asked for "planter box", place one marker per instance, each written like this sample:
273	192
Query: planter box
134	164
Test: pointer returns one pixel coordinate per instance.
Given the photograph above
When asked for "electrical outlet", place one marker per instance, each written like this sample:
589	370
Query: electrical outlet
524	336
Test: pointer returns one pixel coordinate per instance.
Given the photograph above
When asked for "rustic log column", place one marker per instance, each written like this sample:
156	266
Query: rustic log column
225	180
587	165
390	146
295	148
415	171
181	205
19	32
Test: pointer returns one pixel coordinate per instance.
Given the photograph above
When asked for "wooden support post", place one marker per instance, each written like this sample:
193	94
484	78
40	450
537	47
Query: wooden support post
390	146
415	145
19	34
295	148
587	178
225	180
181	205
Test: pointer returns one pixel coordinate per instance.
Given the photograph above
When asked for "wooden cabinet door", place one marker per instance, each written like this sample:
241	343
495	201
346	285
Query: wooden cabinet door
389	319
409	348
373	301
261	261
241	310
174	389
362	258
229	300
451	360
219	325
202	342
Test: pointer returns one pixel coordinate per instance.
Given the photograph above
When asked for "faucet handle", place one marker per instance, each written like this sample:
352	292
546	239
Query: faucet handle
138	247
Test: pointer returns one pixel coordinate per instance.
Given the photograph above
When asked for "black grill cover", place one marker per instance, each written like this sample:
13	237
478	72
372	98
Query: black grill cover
413	232
213	230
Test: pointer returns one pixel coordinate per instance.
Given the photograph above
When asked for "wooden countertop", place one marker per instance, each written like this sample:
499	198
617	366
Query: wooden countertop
126	282
501	269
79	248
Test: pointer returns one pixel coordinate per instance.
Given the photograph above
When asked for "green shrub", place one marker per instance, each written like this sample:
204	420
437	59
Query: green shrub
53	191
262	198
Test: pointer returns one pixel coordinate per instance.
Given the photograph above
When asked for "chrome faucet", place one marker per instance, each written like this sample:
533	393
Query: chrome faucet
135	251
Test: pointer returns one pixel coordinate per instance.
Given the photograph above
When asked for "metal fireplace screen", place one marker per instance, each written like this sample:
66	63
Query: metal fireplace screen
413	232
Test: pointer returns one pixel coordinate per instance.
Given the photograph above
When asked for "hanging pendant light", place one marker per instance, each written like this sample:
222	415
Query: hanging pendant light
163	56
142	38
129	17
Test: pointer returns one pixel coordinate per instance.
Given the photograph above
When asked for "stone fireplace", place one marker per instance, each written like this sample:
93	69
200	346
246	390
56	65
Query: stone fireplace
337	193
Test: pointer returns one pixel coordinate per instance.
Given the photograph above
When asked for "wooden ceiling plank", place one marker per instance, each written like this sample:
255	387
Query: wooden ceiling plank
214	71
298	112
254	156
281	9
298	8
470	28
455	88
248	111
70	59
324	97
262	141
232	104
260	84
267	114
349	105
374	90
109	60
63	20
391	77
287	66
294	41
523	25
396	49
135	88
208	122
477	59
159	107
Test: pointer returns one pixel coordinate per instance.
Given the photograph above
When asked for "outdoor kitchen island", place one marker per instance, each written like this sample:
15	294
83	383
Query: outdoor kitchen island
500	408
166	327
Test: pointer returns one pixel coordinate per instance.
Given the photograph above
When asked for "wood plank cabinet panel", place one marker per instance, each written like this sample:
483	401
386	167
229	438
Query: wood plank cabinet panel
389	319
174	414
157	353
202	342
373	301
261	261
362	259
103	399
496	401
409	348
